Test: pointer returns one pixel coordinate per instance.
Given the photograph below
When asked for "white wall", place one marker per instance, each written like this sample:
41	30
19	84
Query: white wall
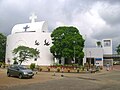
93	53
36	26
107	48
28	39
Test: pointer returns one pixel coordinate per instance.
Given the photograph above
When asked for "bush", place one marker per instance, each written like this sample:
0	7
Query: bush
3	64
82	68
0	64
101	68
48	69
78	70
15	62
32	66
68	70
58	69
40	69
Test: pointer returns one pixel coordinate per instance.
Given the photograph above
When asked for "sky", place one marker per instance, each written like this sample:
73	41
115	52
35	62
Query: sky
95	19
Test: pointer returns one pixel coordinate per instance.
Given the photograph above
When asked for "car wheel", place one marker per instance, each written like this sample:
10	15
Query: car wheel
31	77
20	76
8	74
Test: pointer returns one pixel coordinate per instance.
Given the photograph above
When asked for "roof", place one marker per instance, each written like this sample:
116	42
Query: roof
30	27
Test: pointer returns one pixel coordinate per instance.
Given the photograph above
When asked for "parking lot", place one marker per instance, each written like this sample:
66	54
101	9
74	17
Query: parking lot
105	80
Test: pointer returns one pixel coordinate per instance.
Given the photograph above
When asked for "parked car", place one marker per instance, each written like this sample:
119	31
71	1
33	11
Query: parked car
19	71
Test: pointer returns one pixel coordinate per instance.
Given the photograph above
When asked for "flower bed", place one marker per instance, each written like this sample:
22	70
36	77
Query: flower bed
61	68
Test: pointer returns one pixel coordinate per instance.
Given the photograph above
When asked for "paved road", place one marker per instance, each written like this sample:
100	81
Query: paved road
103	81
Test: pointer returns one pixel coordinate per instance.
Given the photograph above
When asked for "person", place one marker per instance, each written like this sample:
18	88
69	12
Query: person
107	66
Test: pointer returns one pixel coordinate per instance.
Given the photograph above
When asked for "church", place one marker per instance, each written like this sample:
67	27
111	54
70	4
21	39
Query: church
36	35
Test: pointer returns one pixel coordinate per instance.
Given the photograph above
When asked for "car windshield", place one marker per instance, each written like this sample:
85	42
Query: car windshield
22	67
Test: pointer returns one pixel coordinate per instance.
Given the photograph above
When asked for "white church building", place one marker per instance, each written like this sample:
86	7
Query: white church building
36	35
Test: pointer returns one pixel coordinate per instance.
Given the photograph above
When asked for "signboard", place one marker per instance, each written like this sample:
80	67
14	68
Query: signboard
98	59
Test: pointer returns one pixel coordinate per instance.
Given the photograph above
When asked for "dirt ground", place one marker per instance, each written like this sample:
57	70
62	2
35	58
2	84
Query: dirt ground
14	81
41	77
116	67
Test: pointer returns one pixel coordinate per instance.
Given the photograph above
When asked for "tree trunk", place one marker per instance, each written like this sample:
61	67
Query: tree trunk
20	62
80	62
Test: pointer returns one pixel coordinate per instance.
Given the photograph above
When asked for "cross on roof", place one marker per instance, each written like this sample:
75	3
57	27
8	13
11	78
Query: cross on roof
33	17
26	27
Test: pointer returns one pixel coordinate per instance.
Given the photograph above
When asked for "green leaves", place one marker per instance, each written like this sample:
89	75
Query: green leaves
22	53
118	49
2	47
65	39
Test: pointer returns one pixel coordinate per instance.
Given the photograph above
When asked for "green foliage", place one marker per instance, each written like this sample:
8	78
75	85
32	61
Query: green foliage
32	66
58	69
2	47
15	62
0	64
99	44
66	42
22	53
118	49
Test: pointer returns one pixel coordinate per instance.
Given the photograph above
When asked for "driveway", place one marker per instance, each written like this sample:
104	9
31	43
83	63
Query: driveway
71	81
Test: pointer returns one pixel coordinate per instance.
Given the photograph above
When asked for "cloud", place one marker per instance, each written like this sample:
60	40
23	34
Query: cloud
97	19
110	13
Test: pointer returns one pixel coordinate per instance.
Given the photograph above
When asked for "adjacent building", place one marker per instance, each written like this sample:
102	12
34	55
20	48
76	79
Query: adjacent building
100	55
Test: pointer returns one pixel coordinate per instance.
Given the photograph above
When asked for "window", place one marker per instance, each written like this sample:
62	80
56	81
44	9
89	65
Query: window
107	43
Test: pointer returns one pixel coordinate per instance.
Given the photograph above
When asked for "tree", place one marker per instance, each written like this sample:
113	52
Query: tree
67	43
23	53
118	49
99	44
2	47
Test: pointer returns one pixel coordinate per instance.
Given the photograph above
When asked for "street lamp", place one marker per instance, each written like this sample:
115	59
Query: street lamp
74	47
61	46
74	51
90	58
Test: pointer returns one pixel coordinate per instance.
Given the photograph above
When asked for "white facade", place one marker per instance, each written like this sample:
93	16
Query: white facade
31	27
33	35
94	55
107	46
98	54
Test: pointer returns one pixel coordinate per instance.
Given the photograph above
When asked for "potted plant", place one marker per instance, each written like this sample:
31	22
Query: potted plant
101	68
48	68
68	70
40	69
58	69
82	68
78	70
